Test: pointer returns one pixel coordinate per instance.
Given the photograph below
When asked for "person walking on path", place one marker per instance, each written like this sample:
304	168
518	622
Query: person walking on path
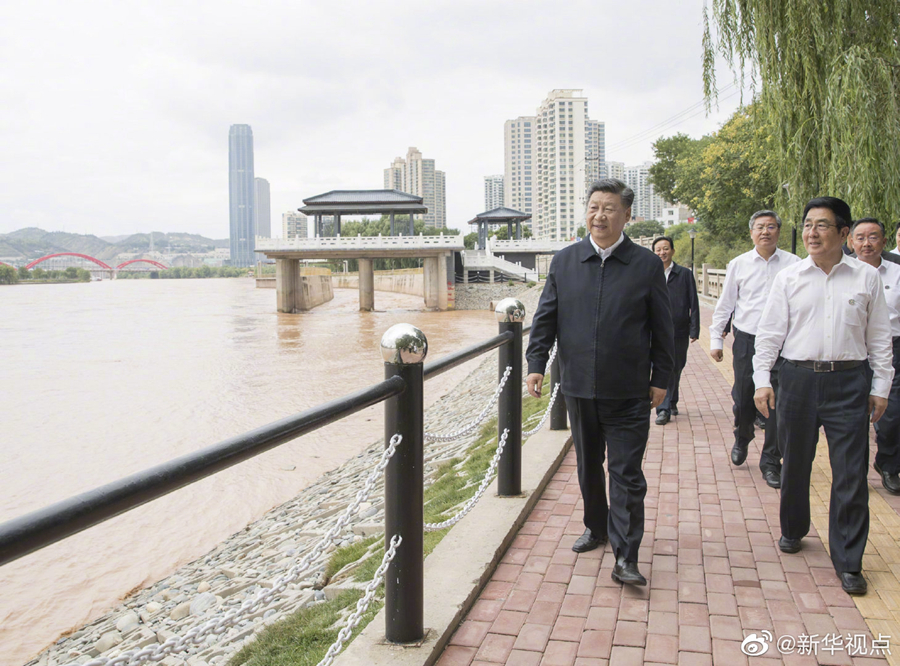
748	280
827	315
682	288
868	241
605	302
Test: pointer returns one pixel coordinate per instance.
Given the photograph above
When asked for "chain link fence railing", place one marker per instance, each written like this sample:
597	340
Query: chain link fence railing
222	622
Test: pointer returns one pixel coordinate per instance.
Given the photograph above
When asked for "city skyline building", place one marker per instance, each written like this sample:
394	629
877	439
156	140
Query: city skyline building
262	209
294	224
418	176
615	170
648	205
493	192
520	165
551	159
241	196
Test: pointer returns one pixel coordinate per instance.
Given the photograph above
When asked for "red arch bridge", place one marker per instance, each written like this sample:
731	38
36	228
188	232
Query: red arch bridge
101	266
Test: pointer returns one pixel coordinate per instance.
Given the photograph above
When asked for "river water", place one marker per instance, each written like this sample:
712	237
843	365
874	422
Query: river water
104	379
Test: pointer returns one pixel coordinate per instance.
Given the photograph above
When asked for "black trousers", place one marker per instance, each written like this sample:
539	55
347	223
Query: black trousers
744	407
681	350
887	430
617	429
839	402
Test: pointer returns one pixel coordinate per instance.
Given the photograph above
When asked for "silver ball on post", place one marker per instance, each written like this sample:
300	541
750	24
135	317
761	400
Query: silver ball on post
404	344
510	310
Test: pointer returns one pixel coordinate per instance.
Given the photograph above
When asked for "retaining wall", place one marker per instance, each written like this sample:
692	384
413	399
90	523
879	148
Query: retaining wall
412	283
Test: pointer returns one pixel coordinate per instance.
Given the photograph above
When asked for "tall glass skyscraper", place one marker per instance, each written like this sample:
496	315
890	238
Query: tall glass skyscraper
241	195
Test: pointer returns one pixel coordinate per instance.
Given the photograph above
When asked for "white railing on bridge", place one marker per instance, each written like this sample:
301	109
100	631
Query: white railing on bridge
529	245
449	242
475	260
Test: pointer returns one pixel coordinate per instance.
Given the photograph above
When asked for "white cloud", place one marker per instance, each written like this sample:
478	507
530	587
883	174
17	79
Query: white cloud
116	114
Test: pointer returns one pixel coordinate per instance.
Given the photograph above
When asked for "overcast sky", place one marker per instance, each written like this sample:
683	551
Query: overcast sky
115	115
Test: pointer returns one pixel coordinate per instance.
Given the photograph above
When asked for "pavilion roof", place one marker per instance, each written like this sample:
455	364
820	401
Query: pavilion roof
354	202
500	215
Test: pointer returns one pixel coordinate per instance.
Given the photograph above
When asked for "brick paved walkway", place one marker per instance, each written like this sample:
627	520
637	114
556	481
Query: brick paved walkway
715	573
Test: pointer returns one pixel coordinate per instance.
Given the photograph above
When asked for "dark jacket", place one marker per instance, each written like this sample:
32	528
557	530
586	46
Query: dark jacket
685	306
613	321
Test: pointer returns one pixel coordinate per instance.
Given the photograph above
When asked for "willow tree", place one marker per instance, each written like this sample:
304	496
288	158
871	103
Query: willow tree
827	73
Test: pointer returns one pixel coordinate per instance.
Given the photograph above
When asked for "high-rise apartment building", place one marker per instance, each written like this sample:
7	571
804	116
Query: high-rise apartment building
263	209
520	165
647	203
615	170
241	196
416	175
294	225
493	192
551	159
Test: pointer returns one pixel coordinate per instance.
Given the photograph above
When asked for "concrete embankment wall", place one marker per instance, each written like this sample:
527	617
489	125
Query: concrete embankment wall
318	288
410	281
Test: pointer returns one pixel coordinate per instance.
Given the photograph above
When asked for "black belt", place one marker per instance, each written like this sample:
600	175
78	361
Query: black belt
826	366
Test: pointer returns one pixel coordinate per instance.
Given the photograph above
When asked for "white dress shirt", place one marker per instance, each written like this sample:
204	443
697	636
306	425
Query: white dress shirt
811	316
748	280
604	254
896	250
669	270
890	278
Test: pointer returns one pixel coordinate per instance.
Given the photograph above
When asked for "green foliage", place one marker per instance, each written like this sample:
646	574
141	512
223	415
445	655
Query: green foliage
24	273
8	275
580	233
500	233
347	554
71	272
829	82
182	272
647	229
302	639
471	240
38	274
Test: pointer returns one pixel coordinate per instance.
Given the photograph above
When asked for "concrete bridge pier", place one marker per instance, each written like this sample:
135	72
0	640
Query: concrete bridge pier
430	280
366	285
289	292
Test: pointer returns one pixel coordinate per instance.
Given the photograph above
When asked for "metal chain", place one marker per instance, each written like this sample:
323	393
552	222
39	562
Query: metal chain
219	624
529	433
363	604
492	468
453	436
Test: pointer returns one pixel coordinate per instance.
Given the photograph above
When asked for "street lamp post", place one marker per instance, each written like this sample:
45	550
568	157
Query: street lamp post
693	234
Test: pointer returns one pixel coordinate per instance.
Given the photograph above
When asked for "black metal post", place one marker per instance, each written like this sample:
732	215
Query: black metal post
510	314
404	351
793	239
693	271
558	413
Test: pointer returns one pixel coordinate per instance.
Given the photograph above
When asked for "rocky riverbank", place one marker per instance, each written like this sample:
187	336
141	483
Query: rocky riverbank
253	558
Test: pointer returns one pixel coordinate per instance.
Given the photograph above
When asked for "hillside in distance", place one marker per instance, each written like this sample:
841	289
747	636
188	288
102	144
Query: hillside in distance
33	243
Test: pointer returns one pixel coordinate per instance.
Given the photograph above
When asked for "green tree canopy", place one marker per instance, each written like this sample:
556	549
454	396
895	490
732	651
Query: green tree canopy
8	275
829	82
647	228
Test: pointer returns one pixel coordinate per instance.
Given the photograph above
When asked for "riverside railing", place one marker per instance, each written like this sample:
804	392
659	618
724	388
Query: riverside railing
404	348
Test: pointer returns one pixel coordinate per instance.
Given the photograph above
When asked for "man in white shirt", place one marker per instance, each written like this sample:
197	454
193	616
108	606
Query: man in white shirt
828	316
868	241
748	281
896	249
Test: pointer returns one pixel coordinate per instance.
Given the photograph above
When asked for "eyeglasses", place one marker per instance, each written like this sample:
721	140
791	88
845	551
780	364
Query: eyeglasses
771	228
872	238
821	227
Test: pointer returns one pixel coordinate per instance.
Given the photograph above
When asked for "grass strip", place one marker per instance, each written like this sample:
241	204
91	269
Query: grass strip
304	637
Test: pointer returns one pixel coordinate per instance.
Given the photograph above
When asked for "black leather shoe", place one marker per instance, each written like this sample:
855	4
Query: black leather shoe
588	541
789	545
759	422
891	482
674	410
662	418
853	583
773	478
739	452
627	573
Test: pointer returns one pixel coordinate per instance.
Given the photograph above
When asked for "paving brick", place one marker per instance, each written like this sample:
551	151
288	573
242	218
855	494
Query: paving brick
544	612
533	637
455	655
597	644
630	633
508	622
495	648
559	653
661	649
694	639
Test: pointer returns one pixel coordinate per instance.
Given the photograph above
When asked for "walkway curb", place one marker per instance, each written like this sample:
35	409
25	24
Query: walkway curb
463	562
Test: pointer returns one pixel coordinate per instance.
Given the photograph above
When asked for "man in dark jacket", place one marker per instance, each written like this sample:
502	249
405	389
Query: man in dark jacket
605	302
685	319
